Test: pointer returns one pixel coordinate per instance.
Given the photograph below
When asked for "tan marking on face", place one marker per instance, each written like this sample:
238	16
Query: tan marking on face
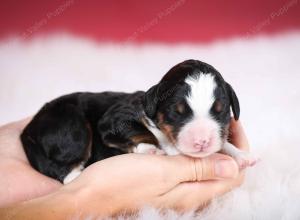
166	129
218	106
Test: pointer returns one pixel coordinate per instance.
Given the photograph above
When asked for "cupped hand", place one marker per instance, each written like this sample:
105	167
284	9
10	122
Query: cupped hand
122	183
129	182
19	181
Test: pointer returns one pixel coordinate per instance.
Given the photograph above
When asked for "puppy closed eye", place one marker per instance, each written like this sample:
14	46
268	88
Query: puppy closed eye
175	111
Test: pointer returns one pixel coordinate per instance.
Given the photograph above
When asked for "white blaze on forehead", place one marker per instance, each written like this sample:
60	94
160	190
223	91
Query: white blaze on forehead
201	96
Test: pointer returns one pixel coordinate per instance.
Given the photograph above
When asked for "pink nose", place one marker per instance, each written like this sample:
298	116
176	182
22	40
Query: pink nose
201	144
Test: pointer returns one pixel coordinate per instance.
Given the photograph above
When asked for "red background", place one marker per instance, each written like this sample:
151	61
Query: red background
112	20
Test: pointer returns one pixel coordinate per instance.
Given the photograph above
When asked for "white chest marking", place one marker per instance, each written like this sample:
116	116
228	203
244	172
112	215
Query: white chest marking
162	139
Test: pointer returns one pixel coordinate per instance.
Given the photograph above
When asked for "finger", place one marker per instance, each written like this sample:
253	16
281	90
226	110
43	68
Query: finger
194	195
216	166
16	125
21	124
237	135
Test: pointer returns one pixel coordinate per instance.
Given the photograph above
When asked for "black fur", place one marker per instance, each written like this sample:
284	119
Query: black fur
58	137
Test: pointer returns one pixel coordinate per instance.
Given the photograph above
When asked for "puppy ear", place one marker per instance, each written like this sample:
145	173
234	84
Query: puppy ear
151	100
234	102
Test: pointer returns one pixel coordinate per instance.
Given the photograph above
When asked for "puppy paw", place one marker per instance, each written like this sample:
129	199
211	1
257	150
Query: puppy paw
144	148
246	159
73	174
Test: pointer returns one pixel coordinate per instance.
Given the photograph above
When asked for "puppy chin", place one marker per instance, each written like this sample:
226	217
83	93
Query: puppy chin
200	154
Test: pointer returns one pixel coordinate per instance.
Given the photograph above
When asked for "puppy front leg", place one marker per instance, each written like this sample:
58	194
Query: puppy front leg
144	148
243	158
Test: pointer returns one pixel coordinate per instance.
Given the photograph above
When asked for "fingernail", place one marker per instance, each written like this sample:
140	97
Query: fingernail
226	169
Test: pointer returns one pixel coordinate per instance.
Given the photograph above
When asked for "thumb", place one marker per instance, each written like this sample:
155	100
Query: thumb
216	166
237	135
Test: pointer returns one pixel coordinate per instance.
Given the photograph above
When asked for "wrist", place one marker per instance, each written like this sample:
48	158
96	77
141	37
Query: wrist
89	201
58	205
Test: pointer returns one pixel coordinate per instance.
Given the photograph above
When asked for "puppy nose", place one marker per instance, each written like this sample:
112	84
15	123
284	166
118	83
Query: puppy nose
201	144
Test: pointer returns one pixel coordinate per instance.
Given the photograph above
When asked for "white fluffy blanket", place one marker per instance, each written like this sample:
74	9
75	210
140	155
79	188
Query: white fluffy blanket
265	73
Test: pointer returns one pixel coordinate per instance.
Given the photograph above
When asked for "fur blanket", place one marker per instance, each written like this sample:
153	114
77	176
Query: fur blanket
263	71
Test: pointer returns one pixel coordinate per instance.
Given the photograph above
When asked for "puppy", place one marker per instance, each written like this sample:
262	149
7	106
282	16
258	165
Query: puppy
187	112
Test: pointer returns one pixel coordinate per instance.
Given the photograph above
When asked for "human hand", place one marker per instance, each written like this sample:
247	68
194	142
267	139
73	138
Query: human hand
19	181
122	183
128	182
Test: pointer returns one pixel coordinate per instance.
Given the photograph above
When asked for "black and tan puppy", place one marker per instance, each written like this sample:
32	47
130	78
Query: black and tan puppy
187	112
